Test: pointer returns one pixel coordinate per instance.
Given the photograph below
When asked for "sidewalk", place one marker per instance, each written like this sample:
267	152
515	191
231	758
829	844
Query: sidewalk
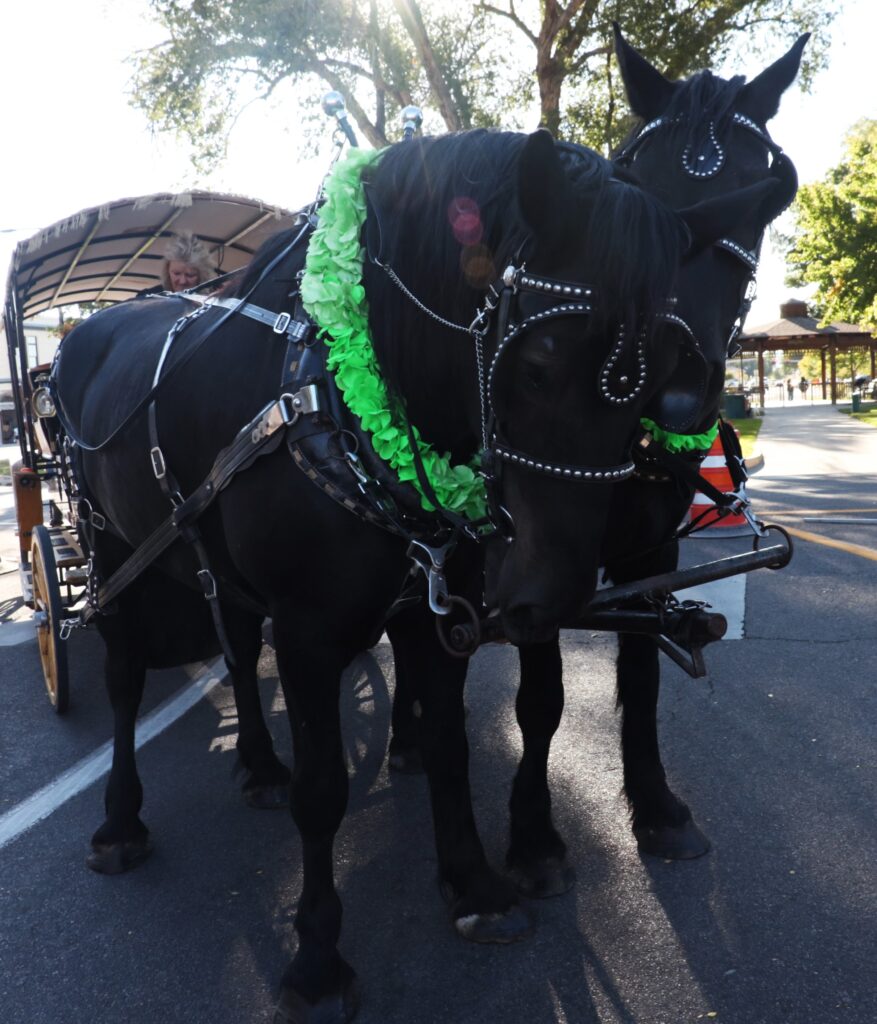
815	458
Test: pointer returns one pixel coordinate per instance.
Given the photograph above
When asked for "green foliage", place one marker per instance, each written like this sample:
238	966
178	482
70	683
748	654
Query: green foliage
748	429
849	364
835	246
470	63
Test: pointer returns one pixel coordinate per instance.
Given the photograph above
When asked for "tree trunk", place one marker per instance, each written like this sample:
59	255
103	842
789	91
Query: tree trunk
412	19
550	77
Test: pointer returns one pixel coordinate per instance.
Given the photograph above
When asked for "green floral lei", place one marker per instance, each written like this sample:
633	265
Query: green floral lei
681	442
334	297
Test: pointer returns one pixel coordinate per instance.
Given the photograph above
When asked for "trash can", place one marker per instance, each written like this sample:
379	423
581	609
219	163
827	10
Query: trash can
857	401
735	406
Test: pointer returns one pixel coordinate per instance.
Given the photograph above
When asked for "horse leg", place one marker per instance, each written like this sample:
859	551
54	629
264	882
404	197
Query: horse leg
536	857
123	840
404	755
266	785
484	905
318	987
662	823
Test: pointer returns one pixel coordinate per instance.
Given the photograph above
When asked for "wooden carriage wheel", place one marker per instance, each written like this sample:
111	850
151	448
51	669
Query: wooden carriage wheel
48	614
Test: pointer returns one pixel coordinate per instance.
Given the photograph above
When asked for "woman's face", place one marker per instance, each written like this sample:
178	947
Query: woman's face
182	275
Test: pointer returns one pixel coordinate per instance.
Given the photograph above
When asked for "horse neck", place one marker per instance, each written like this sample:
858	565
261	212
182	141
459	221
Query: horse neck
432	367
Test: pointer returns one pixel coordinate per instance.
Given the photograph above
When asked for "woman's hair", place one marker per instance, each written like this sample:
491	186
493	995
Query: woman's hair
186	248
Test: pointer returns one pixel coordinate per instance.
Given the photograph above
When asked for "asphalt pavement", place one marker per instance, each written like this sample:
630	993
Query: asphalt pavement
774	751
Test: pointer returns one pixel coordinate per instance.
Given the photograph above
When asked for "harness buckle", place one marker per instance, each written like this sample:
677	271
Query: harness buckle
159	468
362	478
208	583
67	627
281	323
98	521
303	401
432	561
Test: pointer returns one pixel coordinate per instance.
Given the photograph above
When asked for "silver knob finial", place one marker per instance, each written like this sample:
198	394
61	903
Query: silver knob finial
333	104
412	119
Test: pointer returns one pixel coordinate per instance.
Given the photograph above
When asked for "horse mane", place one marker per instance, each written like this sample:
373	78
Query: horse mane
272	247
630	242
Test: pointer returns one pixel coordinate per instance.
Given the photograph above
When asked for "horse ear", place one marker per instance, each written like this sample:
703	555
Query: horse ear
760	98
648	92
545	194
713	218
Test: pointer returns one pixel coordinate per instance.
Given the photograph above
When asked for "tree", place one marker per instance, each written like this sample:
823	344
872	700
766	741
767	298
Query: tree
469	63
835	244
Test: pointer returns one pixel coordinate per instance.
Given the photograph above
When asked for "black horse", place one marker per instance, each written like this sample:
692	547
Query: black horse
698	139
571	270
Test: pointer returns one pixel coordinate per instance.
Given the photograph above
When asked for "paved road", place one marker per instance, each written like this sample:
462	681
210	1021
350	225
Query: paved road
775	752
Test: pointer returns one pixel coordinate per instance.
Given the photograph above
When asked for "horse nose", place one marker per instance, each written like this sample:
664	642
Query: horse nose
534	614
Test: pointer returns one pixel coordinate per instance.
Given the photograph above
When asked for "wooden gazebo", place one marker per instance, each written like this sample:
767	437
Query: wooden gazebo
795	331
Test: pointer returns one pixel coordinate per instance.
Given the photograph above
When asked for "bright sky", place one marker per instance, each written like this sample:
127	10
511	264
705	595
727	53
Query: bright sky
71	140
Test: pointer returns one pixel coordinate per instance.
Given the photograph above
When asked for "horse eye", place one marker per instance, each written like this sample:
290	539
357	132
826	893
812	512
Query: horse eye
535	375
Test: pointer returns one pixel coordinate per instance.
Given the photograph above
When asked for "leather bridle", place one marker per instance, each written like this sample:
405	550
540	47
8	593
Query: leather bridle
707	162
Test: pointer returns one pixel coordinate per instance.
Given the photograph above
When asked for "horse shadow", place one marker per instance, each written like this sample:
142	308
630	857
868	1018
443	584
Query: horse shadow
397	931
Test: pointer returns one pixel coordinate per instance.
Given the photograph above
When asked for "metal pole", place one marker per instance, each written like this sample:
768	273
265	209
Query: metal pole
833	355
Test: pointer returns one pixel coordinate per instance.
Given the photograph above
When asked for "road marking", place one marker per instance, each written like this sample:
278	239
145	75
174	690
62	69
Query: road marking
814	511
14	633
829	542
67	785
727	596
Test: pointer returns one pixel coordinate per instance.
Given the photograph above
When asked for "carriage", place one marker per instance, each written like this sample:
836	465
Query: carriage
101	255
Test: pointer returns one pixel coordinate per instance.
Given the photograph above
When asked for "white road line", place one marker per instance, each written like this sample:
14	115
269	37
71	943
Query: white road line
14	633
726	596
67	785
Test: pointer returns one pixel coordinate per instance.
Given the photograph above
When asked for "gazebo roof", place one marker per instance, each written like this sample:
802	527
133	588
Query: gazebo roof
794	329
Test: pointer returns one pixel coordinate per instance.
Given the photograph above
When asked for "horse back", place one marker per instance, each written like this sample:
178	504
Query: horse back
106	365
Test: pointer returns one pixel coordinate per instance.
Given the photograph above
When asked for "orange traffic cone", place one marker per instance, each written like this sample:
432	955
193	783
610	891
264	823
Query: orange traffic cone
715	469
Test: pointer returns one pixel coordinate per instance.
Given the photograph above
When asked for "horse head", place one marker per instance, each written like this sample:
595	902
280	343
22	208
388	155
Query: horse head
584	348
703	148
571	274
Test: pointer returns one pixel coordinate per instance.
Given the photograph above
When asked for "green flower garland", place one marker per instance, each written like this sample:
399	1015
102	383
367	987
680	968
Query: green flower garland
681	442
334	297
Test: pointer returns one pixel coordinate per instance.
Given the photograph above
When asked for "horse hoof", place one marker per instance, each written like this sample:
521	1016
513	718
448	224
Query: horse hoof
549	877
267	798
679	842
115	858
503	928
407	762
335	1008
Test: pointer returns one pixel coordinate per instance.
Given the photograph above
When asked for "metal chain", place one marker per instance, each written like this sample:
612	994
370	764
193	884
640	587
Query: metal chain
395	279
482	386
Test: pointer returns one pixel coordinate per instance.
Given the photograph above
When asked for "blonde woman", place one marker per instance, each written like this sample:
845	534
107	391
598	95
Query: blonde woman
186	263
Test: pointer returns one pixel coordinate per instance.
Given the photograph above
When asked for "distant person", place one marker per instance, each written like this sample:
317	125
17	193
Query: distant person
790	388
186	263
803	386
